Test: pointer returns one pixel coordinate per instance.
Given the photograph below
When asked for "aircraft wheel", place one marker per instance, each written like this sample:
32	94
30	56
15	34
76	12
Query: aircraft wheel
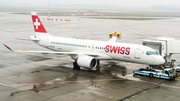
150	75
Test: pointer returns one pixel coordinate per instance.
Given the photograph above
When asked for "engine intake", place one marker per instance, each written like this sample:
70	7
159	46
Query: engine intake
87	62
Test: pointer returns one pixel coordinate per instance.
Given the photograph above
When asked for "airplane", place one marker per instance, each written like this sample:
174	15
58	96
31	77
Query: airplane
87	53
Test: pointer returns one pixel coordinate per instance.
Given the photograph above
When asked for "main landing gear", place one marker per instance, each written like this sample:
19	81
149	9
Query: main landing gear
98	66
75	66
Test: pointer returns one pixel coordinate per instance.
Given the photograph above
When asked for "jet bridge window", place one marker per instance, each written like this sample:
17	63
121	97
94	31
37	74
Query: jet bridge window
151	53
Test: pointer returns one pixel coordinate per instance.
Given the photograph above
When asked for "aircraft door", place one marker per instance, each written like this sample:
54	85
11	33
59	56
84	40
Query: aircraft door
92	47
137	53
152	60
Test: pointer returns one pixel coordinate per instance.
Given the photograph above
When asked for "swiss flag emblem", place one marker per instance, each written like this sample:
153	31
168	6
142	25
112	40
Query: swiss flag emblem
36	23
38	26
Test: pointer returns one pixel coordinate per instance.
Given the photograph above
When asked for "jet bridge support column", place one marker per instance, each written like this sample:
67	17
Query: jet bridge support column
168	57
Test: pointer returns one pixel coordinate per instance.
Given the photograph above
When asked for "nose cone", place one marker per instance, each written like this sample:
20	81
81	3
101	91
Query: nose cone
159	60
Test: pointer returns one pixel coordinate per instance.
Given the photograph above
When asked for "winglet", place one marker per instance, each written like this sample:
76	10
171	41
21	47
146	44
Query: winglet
8	47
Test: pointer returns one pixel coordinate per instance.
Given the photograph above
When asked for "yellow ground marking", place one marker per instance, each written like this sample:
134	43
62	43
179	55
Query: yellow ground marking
10	29
177	79
94	24
134	31
130	75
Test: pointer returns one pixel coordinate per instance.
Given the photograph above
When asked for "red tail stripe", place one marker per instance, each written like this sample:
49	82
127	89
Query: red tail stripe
38	26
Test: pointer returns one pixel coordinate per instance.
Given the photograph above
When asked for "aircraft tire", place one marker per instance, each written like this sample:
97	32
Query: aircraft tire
151	75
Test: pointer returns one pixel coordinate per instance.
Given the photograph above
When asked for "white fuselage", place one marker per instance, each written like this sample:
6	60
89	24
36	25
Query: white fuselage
108	50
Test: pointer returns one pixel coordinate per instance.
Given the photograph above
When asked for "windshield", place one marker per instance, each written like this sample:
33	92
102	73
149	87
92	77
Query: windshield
171	72
151	53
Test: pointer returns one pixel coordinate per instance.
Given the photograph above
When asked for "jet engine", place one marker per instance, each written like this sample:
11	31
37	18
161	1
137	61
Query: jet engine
87	62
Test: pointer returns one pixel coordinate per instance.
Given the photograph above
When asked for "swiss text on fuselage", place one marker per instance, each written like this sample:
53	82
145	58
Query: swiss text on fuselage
117	49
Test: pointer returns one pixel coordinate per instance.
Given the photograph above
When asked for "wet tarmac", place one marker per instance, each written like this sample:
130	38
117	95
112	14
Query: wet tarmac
45	77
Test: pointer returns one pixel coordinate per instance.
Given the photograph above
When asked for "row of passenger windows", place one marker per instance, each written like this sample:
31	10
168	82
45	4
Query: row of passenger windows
103	48
67	44
77	45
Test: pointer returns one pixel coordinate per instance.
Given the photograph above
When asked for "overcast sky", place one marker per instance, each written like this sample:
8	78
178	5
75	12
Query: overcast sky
121	3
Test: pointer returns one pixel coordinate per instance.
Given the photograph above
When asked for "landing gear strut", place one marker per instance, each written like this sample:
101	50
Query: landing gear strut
98	66
75	66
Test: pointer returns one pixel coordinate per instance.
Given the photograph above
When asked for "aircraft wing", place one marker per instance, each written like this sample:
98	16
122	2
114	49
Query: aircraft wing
59	53
79	53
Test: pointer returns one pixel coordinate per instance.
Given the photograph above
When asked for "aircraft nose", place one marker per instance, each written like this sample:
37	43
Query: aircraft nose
159	60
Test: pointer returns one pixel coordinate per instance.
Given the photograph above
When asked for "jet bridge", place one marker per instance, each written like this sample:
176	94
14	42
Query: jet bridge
166	47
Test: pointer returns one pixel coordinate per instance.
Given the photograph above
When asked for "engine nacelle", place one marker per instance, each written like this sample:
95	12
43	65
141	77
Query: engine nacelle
87	62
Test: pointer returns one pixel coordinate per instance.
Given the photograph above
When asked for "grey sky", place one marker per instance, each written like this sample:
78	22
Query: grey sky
121	3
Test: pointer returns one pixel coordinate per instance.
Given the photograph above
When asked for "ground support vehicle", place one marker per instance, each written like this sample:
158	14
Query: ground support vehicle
168	73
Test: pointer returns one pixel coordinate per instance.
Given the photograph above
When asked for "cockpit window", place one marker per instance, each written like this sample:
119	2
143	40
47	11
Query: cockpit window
151	53
154	53
148	53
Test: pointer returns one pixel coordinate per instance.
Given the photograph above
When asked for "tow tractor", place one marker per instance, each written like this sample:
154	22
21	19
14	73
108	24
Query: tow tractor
118	35
168	73
166	47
